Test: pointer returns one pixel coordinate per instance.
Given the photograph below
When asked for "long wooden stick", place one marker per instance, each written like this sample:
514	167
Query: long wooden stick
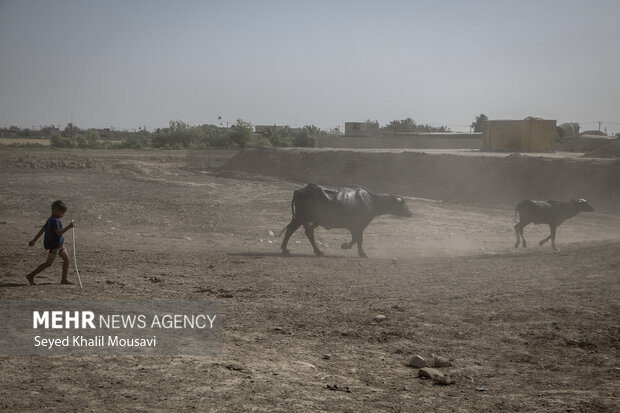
75	259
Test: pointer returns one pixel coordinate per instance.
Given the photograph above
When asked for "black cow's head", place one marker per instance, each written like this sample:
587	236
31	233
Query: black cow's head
583	206
398	207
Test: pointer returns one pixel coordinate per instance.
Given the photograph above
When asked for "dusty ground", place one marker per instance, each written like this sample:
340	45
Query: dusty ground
538	330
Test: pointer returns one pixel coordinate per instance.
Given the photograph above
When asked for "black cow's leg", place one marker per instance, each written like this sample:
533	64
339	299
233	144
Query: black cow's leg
310	234
518	229
359	237
290	228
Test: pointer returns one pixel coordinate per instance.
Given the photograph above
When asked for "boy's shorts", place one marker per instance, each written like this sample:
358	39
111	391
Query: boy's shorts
56	250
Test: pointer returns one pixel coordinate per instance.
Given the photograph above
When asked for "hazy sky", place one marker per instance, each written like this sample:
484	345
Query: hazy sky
131	63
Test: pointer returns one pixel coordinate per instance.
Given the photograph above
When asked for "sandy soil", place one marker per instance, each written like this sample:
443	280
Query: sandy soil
524	330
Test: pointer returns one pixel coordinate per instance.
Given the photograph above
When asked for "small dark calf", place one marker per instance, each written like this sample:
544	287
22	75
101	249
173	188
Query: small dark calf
552	213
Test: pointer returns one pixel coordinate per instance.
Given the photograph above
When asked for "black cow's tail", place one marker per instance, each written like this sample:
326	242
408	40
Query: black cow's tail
517	210
293	212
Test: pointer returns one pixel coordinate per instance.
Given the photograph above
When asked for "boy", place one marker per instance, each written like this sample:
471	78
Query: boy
53	242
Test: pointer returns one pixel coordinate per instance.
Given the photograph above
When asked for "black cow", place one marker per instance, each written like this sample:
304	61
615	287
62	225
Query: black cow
351	208
552	213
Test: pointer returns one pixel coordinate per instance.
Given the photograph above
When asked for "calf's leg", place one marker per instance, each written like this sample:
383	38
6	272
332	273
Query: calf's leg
519	232
550	237
553	239
523	242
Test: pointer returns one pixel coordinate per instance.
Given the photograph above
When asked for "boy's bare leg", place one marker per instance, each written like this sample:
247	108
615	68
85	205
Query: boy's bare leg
50	260
65	266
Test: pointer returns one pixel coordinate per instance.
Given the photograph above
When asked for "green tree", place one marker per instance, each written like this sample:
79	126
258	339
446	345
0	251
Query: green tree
178	134
240	134
93	138
70	130
405	125
278	136
306	136
136	141
206	135
80	141
59	141
477	125
25	133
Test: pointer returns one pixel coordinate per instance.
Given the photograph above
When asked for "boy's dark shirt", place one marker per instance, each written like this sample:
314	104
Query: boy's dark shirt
53	240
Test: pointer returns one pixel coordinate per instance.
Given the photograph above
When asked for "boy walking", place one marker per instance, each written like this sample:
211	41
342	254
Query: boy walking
53	242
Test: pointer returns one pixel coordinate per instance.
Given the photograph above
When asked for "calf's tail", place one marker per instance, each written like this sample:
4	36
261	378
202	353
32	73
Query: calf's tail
293	212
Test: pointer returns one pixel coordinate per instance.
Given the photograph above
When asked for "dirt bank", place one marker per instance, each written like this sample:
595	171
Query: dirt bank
497	179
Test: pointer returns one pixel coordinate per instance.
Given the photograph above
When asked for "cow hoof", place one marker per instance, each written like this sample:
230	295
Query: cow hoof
345	246
524	245
286	253
319	253
517	245
363	255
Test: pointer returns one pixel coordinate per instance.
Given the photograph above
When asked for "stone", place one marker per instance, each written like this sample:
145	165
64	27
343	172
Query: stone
441	362
379	318
435	375
417	362
443	380
429	373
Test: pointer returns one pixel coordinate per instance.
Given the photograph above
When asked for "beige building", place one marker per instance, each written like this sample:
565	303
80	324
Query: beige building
361	128
530	135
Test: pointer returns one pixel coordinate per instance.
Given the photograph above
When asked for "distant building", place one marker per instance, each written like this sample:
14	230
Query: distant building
531	135
361	128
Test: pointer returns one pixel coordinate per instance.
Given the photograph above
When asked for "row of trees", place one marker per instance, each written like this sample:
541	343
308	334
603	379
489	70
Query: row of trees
410	126
177	135
180	135
74	137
